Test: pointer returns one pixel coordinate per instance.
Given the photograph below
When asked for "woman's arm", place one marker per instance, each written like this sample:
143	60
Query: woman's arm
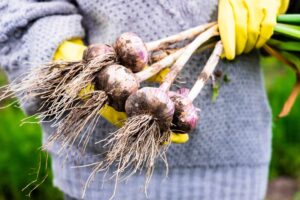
30	31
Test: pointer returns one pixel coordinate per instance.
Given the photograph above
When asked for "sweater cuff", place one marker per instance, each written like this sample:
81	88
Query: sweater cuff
221	182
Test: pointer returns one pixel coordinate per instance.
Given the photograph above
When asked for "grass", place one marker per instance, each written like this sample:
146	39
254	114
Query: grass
19	156
286	131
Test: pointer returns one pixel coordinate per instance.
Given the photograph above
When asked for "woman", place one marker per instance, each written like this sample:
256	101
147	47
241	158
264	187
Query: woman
227	156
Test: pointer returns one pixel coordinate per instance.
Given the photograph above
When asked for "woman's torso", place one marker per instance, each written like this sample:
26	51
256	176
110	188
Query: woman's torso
230	129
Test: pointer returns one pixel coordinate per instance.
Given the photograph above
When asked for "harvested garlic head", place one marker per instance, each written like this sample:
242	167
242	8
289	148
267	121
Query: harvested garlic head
186	115
131	51
154	102
119	83
96	50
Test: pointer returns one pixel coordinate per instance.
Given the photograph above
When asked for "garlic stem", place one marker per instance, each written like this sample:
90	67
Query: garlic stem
207	71
185	56
161	54
158	66
187	34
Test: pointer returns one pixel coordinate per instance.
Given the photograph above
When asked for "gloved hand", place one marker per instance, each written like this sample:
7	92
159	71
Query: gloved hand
72	50
247	24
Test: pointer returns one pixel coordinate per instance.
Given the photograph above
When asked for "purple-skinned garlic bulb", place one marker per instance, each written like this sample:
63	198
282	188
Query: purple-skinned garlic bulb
154	102
186	114
131	51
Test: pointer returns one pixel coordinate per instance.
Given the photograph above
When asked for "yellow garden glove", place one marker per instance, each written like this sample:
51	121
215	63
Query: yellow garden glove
72	50
158	78
247	24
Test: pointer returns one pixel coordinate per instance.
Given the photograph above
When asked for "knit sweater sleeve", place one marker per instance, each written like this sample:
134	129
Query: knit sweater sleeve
31	31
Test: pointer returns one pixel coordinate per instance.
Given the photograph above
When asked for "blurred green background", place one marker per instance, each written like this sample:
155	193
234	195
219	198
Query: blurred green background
20	156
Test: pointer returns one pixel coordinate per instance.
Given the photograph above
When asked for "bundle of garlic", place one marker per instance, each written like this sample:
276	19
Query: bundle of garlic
110	74
153	114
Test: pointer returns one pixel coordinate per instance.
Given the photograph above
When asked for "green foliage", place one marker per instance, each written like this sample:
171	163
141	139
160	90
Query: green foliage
286	131
297	196
20	157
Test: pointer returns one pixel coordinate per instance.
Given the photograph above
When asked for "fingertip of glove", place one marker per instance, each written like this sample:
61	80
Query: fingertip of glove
228	56
179	138
283	7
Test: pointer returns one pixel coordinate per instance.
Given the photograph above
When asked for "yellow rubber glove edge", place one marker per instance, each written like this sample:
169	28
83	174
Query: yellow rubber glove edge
227	29
70	50
241	19
283	7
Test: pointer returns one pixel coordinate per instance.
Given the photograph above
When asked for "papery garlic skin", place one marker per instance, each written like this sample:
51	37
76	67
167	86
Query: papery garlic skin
186	114
119	83
152	101
95	50
132	51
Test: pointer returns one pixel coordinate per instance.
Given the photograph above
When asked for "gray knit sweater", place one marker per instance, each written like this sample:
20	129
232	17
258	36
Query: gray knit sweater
228	154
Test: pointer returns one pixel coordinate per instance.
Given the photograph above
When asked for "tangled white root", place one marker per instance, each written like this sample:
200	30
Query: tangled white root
133	148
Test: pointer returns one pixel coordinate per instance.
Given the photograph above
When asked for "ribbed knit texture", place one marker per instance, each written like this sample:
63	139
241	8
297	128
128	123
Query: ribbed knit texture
228	154
204	183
